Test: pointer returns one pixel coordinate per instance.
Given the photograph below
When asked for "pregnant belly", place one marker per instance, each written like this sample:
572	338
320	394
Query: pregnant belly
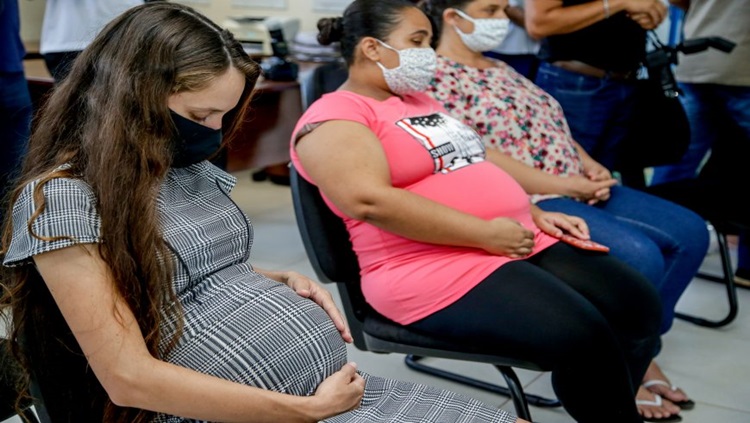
258	332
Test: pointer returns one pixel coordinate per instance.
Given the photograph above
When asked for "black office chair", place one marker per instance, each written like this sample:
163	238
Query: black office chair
705	199
711	195
330	252
328	77
62	383
324	78
9	374
708	196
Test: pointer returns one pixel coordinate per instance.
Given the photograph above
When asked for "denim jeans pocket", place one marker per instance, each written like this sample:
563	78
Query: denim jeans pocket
560	81
576	84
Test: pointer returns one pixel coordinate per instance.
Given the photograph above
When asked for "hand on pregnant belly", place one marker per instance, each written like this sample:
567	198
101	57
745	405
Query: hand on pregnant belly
507	237
306	287
340	392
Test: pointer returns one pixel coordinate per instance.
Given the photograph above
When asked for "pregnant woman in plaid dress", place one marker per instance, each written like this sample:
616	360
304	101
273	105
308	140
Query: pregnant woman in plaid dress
122	221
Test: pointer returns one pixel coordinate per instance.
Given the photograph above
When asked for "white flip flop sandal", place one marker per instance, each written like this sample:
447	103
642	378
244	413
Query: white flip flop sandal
657	402
688	404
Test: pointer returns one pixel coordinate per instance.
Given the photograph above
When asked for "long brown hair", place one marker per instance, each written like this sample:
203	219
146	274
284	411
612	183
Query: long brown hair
109	120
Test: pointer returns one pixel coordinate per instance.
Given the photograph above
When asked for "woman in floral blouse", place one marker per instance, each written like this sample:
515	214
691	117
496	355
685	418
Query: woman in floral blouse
666	242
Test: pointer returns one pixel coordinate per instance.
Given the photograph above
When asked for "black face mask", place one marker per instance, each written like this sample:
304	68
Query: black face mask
193	142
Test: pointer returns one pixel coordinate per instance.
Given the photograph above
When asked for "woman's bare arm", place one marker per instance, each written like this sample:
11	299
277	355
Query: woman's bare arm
550	17
536	181
347	162
114	346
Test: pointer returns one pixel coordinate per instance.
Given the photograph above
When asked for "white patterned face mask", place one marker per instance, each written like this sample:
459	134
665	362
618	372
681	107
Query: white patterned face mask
488	33
414	72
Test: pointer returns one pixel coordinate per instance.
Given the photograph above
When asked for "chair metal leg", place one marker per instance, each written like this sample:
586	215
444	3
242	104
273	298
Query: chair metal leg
520	402
513	391
728	280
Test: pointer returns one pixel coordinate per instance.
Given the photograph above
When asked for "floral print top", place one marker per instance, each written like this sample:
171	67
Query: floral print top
510	113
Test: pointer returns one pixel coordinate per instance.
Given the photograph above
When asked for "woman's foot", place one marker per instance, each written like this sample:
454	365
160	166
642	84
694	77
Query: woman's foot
654	408
656	382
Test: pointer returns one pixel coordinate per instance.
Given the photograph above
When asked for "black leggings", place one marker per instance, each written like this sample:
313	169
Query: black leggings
590	318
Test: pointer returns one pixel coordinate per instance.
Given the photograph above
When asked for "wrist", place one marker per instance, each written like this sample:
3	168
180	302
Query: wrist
535	211
311	409
566	188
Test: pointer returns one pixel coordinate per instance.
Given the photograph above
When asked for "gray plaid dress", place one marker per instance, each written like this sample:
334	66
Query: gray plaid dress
238	324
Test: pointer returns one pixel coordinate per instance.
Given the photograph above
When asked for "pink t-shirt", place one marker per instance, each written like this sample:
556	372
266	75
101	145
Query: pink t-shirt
436	156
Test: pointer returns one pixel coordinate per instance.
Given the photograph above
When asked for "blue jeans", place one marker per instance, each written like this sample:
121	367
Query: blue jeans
598	110
710	108
15	125
664	241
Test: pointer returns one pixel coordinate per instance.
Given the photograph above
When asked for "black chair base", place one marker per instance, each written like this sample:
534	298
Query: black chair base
706	195
727	280
513	391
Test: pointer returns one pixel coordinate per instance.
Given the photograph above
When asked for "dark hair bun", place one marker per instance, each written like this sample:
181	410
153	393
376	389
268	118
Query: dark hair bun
330	30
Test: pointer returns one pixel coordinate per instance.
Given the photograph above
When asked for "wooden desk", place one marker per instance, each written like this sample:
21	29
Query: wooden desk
36	68
32	50
263	141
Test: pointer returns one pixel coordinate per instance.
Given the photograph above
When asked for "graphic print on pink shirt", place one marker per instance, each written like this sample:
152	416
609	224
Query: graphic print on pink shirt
451	144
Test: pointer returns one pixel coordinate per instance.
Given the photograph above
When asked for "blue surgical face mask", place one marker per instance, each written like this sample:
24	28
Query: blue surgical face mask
194	142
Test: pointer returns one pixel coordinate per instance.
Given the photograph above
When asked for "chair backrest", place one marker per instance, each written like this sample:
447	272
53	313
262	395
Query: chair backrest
330	250
9	374
63	385
713	192
325	78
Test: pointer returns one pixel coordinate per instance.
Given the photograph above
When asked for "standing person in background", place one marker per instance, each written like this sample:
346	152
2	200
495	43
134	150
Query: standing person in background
69	26
591	52
716	95
518	48
15	101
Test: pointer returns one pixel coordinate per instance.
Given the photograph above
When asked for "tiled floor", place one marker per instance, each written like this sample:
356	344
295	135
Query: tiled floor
709	364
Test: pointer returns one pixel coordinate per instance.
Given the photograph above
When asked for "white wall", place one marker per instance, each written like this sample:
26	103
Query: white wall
32	12
218	10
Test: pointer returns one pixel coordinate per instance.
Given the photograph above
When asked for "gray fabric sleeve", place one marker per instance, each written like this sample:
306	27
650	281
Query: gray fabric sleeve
69	212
